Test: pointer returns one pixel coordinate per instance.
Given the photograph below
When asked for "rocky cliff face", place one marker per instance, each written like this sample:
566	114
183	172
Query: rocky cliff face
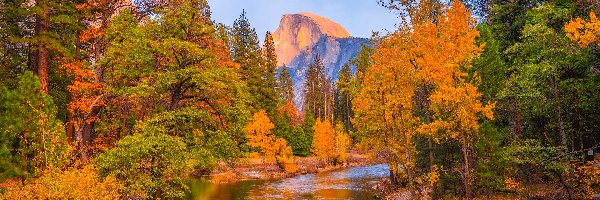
300	37
298	32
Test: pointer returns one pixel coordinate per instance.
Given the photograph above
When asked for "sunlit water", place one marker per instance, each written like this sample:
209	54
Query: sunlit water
349	183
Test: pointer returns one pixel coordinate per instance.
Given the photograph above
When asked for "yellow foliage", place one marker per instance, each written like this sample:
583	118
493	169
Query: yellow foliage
329	144
272	148
70	184
323	140
512	184
584	32
431	55
259	134
433	177
285	156
586	181
342	144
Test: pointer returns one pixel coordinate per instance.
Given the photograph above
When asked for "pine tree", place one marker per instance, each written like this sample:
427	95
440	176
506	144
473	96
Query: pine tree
269	81
285	85
343	101
318	91
32	140
257	65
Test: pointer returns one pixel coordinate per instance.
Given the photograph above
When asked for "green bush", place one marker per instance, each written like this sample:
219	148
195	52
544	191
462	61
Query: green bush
149	165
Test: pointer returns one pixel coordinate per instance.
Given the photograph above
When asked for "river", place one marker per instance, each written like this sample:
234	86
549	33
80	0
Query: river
347	183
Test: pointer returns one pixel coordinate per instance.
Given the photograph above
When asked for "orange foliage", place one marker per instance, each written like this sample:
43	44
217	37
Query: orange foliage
85	92
272	148
259	134
342	144
329	144
432	53
585	180
289	109
71	184
323	140
86	95
584	32
512	184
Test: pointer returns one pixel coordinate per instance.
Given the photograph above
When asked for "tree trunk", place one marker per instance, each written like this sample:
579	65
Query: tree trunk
393	172
563	182
516	120
558	110
43	56
348	113
466	172
79	127
425	99
430	146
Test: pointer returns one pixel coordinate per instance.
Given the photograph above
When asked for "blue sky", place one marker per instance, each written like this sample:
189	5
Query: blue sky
359	17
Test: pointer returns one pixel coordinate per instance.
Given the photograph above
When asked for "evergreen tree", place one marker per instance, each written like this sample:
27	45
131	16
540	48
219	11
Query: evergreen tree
269	81
318	93
343	100
31	138
285	85
247	53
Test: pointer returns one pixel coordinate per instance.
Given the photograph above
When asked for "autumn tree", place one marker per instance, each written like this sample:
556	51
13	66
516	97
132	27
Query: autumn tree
342	144
271	147
383	106
584	32
323	139
417	55
87	84
329	144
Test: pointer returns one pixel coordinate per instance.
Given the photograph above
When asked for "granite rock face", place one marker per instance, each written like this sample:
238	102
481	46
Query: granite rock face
300	37
297	32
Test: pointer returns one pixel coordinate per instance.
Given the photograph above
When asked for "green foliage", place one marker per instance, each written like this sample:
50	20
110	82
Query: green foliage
150	165
285	86
183	91
257	66
343	99
296	136
200	132
532	155
490	65
32	139
542	64
492	163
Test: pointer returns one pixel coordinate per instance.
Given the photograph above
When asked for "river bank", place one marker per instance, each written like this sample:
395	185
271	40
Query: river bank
256	169
343	183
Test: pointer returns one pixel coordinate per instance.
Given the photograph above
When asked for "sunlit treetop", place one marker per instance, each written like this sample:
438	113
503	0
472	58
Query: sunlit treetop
584	32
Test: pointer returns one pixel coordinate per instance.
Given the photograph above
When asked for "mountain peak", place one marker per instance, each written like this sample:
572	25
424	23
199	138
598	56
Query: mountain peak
297	32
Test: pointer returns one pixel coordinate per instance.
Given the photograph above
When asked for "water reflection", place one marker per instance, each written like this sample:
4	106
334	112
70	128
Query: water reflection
350	183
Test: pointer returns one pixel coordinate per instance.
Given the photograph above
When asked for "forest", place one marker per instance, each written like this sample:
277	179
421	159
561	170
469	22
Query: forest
471	99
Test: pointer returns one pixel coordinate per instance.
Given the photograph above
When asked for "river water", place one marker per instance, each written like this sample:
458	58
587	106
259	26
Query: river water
347	183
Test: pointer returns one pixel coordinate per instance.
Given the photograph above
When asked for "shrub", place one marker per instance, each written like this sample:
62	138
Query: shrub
149	165
83	183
